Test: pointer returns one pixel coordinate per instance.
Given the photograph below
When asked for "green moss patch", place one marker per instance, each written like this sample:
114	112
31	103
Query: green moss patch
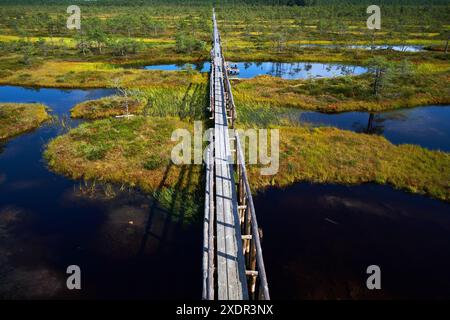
108	107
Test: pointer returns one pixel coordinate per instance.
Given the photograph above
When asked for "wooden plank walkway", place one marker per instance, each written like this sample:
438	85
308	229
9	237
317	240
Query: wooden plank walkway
232	284
228	270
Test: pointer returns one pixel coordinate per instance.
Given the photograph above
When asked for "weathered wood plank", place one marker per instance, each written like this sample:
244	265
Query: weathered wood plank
208	293
231	274
231	270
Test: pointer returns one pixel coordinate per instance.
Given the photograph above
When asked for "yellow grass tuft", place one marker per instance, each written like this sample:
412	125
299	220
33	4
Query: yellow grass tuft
17	118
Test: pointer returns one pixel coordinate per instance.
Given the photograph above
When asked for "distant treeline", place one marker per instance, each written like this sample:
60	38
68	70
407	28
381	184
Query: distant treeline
223	2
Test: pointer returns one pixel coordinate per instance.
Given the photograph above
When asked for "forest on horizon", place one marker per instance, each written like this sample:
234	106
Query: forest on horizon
224	2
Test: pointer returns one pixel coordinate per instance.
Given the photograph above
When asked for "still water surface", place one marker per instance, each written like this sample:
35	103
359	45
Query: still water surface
285	70
319	240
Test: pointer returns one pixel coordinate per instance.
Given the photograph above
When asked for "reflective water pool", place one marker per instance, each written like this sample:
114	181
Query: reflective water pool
297	70
425	126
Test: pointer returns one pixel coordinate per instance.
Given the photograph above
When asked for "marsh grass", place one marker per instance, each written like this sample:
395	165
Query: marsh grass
349	93
76	74
265	115
62	124
133	152
17	118
328	155
186	103
91	189
108	107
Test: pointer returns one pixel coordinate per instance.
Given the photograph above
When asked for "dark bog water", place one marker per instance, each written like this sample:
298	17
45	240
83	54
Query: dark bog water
425	126
297	70
126	247
320	239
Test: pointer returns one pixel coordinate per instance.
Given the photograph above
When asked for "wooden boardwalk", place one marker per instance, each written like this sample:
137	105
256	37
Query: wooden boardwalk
226	276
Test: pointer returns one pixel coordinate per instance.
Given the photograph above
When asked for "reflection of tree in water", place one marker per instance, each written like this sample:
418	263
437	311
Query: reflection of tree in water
375	125
376	122
346	70
2	147
293	70
279	69
308	67
298	68
199	65
276	69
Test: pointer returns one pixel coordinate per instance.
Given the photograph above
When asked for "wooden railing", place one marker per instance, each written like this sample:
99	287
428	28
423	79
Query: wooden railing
209	230
208	227
258	287
229	93
211	85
